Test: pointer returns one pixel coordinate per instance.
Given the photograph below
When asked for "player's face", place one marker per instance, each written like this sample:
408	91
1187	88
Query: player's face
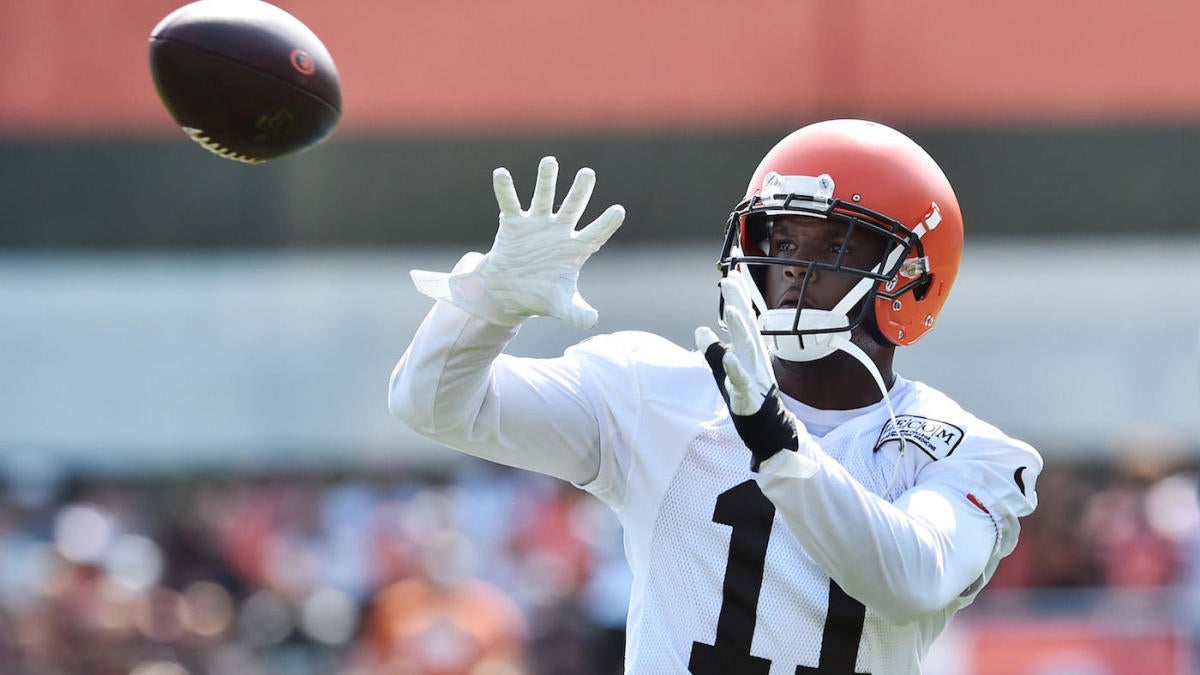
804	238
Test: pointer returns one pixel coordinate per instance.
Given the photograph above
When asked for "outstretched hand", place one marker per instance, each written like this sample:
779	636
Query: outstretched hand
746	378
533	266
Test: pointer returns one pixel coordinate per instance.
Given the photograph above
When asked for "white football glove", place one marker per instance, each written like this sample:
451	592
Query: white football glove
533	266
746	378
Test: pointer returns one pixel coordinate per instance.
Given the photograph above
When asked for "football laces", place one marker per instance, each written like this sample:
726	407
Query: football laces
214	147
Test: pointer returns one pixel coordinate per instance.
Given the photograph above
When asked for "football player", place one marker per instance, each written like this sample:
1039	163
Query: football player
789	503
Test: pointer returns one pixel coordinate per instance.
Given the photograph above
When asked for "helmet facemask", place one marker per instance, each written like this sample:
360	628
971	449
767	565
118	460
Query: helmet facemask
806	333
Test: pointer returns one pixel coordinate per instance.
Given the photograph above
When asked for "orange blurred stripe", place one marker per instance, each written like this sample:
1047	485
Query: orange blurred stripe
79	66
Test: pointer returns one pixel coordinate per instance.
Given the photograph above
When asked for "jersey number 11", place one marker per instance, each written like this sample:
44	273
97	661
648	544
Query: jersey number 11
750	514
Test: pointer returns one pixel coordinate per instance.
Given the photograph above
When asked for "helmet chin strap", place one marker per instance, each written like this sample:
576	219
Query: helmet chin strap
811	346
844	344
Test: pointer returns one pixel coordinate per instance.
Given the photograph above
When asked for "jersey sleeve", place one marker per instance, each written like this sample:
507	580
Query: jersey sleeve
554	416
933	547
995	474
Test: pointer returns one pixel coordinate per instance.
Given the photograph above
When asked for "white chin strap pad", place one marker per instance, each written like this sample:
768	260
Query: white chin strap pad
802	348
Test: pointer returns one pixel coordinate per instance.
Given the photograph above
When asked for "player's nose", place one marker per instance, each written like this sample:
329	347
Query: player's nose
796	273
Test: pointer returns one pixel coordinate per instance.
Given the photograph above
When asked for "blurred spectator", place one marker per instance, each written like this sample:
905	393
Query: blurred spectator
488	571
442	620
1052	552
1130	552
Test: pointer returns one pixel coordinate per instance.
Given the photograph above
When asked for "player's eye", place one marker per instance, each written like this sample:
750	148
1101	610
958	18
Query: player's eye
836	249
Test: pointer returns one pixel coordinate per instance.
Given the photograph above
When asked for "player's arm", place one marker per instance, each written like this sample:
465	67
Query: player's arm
904	559
453	383
937	542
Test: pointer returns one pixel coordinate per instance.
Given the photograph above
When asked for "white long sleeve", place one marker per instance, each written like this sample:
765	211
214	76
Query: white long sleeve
937	542
455	386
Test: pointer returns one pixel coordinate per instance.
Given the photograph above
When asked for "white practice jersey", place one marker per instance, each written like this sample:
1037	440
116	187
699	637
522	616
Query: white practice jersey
853	569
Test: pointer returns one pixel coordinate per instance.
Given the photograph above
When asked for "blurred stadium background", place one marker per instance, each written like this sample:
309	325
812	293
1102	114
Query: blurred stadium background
200	476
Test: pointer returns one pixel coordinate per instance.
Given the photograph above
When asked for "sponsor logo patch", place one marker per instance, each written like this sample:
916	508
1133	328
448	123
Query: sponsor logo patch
935	438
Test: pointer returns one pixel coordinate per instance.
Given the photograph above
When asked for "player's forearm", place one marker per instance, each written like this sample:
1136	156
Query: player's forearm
903	560
454	386
440	383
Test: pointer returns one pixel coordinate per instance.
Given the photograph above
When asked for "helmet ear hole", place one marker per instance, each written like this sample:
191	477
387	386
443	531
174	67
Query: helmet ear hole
922	288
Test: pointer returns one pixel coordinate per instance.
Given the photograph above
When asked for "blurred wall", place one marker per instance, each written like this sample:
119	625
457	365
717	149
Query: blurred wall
355	191
659	64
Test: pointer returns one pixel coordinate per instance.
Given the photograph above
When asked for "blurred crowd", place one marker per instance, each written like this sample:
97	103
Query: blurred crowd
488	571
1130	525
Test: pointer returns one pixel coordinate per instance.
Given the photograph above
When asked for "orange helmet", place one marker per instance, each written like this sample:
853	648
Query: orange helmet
872	178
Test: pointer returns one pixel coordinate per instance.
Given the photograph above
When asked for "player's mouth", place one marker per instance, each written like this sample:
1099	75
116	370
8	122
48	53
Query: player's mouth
790	296
790	300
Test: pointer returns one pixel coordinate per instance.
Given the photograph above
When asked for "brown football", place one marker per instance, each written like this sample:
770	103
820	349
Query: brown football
245	79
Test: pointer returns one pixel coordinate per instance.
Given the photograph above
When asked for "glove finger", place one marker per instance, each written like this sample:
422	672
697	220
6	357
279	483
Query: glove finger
714	354
747	342
705	338
506	193
580	314
737	299
577	197
744	395
740	330
739	380
598	232
733	288
543	191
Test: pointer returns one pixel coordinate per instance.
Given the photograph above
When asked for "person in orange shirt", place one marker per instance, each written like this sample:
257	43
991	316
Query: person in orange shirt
442	621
